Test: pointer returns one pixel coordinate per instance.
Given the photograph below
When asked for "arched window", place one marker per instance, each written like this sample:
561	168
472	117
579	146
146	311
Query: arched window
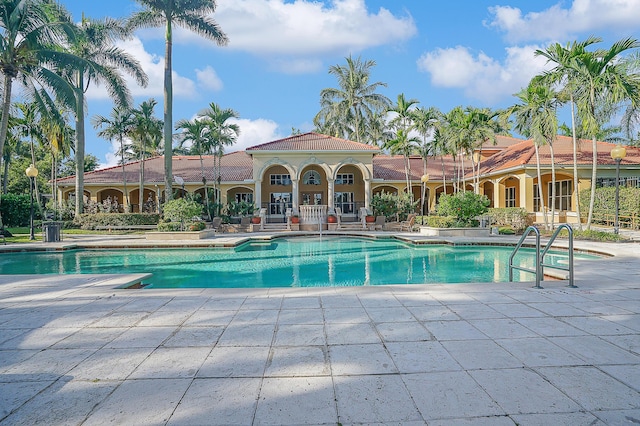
311	178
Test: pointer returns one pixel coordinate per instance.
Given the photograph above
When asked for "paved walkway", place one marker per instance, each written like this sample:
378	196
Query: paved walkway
75	350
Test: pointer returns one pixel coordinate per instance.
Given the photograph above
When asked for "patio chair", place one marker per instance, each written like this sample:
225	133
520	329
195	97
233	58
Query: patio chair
378	225
216	224
406	225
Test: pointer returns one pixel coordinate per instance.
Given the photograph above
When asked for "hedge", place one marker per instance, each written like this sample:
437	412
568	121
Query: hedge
605	202
16	210
515	217
93	220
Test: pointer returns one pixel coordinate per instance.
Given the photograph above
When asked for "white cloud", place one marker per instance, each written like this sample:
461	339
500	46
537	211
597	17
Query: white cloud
208	79
558	23
482	77
293	33
254	132
153	65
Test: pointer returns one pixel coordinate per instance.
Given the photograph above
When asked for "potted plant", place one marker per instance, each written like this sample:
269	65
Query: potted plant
255	220
295	219
332	218
370	218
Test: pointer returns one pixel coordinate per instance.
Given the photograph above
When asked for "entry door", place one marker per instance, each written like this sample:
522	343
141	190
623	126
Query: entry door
312	198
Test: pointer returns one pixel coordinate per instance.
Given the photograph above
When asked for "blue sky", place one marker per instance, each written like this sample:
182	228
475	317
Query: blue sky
442	53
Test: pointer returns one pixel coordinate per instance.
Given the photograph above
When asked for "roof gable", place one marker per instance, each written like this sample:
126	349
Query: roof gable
313	142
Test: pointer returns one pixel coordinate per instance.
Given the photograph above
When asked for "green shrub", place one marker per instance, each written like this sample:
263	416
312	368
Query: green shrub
605	202
91	221
465	207
196	226
592	235
516	218
169	226
393	206
506	230
16	209
181	210
440	221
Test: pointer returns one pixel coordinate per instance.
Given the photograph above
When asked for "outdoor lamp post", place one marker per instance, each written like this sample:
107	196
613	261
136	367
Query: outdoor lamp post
424	179
618	153
31	173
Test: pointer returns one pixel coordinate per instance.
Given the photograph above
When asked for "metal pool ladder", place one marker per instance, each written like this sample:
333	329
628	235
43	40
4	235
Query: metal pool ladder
541	253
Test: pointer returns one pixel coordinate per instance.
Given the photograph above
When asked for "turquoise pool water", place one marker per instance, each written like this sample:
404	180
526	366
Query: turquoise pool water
294	262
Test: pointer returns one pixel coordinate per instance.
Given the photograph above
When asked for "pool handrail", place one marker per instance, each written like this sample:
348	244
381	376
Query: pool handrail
537	269
569	268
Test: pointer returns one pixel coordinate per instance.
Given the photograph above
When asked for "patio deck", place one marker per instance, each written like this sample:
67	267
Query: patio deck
75	350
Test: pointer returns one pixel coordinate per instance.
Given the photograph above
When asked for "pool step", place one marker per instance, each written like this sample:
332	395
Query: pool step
274	227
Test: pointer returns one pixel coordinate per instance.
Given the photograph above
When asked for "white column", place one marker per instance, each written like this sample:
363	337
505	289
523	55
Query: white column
257	193
330	192
295	196
497	194
367	194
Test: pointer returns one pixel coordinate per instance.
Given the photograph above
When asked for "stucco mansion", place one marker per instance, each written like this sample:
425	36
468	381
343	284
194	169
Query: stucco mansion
315	169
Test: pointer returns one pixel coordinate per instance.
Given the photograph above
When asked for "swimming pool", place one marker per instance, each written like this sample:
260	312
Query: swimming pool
289	262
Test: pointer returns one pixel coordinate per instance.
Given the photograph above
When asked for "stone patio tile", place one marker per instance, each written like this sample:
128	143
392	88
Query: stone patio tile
218	402
595	350
182	304
477	311
39	339
235	361
475	421
395	314
120	319
301	316
247	334
630	343
351	333
627	374
33	320
147	337
171	363
367	399
110	364
550	327
481	354
195	336
502	328
298	361
14	393
66	402
340	301
538	352
379	299
619	417
421	357
360	359
579	383
147	304
433	313
416	299
296	401
9	334
558	419
262	303
631	321
403	332
140	402
223	304
557	309
164	318
90	338
300	335
75	320
600	308
453	297
449	395
255	316
517	310
598	326
12	357
208	318
292	302
349	315
48	363
454	330
521	391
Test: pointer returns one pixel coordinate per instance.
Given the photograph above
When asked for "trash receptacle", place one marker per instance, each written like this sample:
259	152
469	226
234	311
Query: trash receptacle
51	231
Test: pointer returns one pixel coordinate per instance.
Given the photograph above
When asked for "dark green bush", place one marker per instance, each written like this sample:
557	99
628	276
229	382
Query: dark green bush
91	221
516	218
605	201
16	210
465	207
393	206
440	221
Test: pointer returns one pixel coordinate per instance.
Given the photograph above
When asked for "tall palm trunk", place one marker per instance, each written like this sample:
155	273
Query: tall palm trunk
127	203
444	179
35	183
204	182
79	143
594	174
141	188
553	186
168	114
4	125
407	171
576	182
540	194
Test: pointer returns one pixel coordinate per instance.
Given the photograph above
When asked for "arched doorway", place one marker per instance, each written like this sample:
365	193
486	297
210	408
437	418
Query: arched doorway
349	189
111	200
277	192
313	187
150	201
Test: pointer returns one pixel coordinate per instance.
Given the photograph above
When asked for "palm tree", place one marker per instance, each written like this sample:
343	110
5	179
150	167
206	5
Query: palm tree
601	78
354	102
219	133
405	145
33	33
562	73
145	130
536	118
424	122
377	130
94	43
190	14
194	132
117	127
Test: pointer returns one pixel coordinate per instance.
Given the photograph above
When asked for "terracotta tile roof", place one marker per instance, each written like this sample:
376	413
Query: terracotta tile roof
523	154
313	142
236	166
391	168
